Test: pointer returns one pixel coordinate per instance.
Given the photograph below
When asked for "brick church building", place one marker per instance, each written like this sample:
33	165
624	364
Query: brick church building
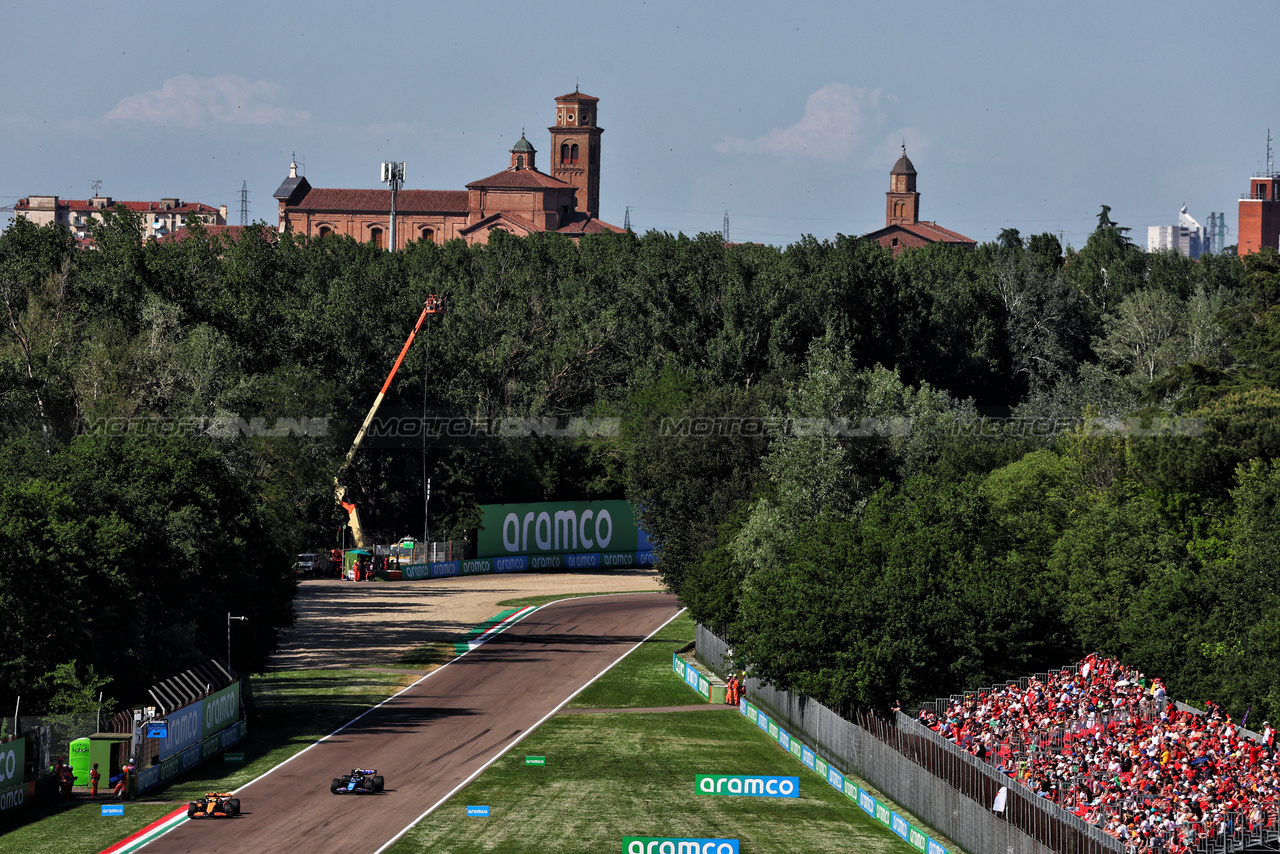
520	199
903	228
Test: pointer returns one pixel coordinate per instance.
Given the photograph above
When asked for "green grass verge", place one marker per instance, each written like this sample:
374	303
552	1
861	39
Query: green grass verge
429	656
622	774
290	711
76	828
644	678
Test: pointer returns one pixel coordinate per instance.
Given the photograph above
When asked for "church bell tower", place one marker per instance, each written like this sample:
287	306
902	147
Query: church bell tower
575	149
903	202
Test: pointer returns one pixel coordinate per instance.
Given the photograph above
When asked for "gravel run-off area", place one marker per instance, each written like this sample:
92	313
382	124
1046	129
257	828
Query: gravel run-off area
374	624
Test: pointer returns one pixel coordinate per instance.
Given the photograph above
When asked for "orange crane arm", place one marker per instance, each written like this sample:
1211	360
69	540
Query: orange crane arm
434	305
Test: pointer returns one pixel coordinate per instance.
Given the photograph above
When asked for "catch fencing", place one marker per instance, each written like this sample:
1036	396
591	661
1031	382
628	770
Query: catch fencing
49	736
944	786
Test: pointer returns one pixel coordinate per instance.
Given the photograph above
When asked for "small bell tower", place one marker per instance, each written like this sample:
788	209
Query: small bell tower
902	201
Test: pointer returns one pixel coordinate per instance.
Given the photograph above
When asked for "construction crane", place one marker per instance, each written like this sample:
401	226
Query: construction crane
435	305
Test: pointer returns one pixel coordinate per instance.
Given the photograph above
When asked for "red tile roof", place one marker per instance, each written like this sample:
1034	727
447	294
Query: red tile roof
935	233
231	232
379	201
519	179
576	96
578	224
502	217
929	232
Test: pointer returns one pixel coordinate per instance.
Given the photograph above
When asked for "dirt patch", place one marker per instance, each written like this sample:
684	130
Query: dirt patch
374	624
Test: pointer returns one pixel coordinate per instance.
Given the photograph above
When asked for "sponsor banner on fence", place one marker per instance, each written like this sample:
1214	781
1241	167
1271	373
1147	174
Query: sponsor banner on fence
559	527
154	775
522	563
13	762
896	823
186	727
739	784
446	569
479	566
18	796
677	845
221	709
691	676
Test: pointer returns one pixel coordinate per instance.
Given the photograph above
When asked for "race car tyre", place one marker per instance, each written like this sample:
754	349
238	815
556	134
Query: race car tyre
233	806
377	784
192	809
335	785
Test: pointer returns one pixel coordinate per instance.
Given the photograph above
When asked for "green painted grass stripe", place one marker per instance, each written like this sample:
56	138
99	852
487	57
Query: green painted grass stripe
490	627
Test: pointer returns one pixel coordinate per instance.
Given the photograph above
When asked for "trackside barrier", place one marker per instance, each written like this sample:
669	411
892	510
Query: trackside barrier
695	680
838	781
947	788
154	775
524	563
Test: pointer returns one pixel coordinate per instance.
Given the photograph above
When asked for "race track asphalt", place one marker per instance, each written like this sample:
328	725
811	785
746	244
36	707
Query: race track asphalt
431	738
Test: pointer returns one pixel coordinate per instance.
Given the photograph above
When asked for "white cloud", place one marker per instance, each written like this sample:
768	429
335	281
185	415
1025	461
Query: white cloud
835	118
187	101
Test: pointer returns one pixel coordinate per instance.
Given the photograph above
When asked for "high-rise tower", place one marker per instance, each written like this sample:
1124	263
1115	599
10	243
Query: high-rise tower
575	149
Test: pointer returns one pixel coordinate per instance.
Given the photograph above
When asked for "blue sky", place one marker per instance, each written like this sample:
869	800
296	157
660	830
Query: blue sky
786	115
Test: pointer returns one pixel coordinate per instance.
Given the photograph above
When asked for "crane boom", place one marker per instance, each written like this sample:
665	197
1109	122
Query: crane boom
434	305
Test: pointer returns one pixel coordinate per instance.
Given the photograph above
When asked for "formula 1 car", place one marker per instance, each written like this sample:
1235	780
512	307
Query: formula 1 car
214	805
363	781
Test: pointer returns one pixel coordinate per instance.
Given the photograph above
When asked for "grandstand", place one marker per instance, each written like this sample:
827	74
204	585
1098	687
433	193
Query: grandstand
1098	741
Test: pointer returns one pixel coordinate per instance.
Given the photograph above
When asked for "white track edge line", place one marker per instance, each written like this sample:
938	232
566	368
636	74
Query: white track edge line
393	840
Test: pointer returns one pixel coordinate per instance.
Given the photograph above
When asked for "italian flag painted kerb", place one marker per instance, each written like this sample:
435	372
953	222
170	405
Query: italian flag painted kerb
150	833
491	627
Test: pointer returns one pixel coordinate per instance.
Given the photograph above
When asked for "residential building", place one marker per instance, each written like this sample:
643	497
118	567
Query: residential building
1187	237
158	218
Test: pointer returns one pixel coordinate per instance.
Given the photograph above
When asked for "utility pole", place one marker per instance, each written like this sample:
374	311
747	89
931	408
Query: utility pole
393	175
229	619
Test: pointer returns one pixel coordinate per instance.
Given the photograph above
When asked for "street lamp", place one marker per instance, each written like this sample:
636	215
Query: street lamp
229	619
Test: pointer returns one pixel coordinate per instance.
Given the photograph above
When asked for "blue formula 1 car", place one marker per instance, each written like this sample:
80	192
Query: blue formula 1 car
364	781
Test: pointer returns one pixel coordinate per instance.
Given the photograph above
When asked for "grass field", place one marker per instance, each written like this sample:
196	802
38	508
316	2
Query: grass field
615	774
608	774
291	710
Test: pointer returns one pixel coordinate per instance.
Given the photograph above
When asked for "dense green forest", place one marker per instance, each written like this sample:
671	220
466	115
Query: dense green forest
885	479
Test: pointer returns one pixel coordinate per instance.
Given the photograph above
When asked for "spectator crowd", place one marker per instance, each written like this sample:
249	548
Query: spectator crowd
1100	742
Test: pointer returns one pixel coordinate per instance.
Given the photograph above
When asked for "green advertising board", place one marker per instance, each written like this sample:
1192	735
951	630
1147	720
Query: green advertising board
559	527
221	710
13	763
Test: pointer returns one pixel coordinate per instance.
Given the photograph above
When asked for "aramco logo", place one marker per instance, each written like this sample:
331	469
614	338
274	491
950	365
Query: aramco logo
735	784
563	532
660	845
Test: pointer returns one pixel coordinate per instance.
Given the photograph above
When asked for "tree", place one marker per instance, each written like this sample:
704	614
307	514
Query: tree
1146	334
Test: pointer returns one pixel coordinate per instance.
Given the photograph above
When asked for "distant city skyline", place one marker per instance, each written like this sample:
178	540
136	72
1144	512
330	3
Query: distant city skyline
788	118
